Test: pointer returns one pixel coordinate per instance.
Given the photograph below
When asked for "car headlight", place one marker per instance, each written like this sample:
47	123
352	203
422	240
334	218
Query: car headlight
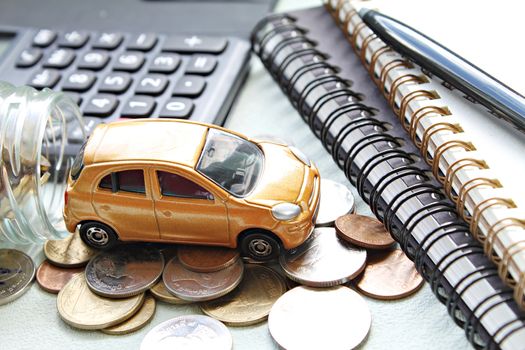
286	211
300	155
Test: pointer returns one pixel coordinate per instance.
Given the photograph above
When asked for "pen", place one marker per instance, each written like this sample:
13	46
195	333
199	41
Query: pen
448	66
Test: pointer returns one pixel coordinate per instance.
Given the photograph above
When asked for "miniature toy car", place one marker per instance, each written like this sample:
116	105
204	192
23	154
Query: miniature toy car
175	181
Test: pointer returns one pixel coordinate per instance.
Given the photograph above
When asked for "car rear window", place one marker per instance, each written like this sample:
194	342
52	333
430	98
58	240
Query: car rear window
127	181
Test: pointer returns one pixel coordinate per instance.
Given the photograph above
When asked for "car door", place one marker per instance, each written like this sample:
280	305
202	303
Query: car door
187	210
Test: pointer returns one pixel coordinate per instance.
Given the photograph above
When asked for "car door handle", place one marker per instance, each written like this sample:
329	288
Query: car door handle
105	207
167	213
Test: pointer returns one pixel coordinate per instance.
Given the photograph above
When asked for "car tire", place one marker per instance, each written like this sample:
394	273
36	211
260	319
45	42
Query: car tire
259	246
98	235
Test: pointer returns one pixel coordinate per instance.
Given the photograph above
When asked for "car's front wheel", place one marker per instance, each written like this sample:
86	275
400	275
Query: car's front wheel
98	235
259	246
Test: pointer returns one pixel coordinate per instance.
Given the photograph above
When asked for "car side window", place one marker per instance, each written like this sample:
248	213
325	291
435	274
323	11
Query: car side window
126	181
173	185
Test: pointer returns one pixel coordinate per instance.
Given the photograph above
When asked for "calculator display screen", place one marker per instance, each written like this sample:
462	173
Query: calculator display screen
5	40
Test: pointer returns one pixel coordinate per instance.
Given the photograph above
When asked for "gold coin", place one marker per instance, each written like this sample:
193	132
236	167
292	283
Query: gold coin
81	308
137	321
207	259
161	293
68	252
251	301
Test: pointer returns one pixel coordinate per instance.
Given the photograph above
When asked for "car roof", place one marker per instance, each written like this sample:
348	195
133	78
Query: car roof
162	140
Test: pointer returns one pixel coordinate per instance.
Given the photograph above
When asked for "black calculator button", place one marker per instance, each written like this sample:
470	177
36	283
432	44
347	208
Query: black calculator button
189	44
116	82
60	58
44	78
189	85
177	107
101	105
74	39
44	38
95	60
29	57
107	41
142	42
138	106
79	81
129	61
75	97
165	63
201	64
152	84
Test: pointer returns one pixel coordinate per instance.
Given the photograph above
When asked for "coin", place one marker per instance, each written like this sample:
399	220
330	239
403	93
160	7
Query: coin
189	332
251	301
161	293
323	260
313	318
17	270
336	201
198	286
363	231
52	278
137	321
124	271
207	259
81	308
389	275
68	252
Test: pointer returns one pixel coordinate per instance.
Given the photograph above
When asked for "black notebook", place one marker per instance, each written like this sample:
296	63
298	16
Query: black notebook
309	58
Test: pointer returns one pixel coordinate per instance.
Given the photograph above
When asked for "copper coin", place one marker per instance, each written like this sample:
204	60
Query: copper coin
363	231
52	278
207	259
161	293
389	275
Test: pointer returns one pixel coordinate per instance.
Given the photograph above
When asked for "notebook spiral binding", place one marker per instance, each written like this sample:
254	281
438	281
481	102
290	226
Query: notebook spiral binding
346	17
289	34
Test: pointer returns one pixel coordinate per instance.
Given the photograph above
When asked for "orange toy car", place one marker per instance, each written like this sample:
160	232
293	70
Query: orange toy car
183	182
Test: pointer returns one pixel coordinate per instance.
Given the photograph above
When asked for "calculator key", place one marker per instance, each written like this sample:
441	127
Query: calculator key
138	106
189	44
165	63
201	64
107	41
60	58
177	107
101	105
44	78
74	39
44	38
95	60
142	42
29	57
189	85
152	84
79	81
75	97
129	61
116	82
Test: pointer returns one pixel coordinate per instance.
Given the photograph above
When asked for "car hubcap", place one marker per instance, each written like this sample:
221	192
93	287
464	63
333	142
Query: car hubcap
97	235
260	247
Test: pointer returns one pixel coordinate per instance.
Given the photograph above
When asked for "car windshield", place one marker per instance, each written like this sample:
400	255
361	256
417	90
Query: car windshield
231	162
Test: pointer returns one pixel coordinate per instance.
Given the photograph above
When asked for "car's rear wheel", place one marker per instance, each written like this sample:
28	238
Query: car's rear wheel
98	235
259	246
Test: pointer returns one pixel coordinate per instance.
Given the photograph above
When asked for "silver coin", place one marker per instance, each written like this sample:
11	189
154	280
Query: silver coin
336	201
189	332
311	318
125	271
323	260
17	270
198	286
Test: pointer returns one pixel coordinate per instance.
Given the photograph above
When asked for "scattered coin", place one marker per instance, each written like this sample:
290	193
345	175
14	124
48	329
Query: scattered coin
81	308
52	278
161	293
363	231
207	259
389	275
314	318
198	286
336	201
124	271
323	260
251	301
17	270
137	321
191	332
68	252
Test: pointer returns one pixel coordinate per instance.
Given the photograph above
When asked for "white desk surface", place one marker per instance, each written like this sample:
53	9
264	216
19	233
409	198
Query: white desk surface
416	322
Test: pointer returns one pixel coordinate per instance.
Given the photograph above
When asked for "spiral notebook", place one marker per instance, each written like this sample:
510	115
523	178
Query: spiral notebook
309	57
